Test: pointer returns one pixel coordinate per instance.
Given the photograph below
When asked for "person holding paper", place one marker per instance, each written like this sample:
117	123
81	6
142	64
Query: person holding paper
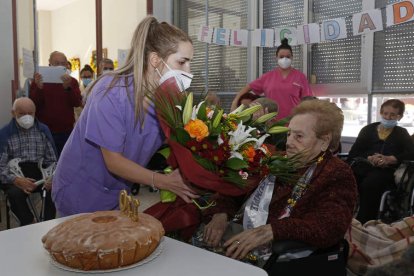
25	138
285	85
118	131
55	101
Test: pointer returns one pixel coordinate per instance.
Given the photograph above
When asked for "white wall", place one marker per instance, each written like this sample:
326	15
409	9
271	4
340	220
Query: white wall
44	28
6	60
119	20
25	32
72	28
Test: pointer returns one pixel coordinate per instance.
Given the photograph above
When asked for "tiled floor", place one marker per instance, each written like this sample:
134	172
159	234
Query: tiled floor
146	198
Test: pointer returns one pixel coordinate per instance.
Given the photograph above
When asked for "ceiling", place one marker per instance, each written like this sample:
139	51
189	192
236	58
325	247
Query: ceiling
50	5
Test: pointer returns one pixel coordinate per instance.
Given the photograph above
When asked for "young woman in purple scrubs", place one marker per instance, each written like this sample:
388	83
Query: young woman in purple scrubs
118	132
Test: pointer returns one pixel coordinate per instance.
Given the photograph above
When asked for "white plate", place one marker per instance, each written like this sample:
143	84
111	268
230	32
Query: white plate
151	257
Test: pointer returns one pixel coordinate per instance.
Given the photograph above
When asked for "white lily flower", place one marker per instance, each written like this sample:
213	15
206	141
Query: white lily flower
260	141
235	154
195	111
220	140
241	136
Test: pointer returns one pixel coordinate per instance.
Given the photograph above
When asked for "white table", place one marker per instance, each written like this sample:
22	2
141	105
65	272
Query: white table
22	253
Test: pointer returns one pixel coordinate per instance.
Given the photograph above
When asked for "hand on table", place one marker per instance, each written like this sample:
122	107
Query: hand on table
241	244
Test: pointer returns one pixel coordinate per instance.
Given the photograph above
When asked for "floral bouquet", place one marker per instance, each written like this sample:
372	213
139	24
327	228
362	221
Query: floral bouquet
216	152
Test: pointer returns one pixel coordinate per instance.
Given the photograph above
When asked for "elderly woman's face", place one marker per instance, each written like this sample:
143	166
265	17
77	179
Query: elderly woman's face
302	138
390	113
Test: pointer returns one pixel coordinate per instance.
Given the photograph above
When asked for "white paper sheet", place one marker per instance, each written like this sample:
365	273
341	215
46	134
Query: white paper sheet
28	64
52	74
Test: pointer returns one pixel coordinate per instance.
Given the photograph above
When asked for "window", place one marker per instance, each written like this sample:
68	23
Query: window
393	69
225	66
336	61
281	14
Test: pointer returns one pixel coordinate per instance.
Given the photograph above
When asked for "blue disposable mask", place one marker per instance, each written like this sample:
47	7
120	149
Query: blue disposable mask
86	81
388	123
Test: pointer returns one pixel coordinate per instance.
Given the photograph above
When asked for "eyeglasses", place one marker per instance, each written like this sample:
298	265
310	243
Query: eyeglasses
59	64
108	69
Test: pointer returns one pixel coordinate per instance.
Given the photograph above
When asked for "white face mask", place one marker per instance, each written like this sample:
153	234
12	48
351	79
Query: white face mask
182	78
284	63
26	121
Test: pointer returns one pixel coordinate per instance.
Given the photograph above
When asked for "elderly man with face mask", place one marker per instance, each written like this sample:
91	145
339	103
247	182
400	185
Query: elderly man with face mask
30	141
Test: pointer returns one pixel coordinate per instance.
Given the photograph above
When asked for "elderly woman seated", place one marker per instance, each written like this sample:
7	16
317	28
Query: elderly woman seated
316	209
379	148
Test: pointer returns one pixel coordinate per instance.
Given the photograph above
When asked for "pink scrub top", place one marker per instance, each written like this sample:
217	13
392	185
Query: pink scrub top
287	92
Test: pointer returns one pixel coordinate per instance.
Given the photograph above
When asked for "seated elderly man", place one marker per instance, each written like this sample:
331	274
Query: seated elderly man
315	209
27	139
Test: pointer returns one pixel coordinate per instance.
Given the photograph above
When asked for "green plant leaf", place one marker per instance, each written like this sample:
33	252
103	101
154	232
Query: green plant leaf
165	152
206	164
202	114
235	178
236	164
182	136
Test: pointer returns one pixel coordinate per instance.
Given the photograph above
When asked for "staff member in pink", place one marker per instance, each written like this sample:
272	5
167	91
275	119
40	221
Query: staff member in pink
285	84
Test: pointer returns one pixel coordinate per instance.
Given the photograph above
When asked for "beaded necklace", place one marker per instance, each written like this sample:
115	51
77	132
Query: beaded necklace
300	187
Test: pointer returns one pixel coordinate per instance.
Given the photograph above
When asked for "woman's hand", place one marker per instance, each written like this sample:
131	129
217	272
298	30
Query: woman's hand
214	230
175	183
241	244
382	161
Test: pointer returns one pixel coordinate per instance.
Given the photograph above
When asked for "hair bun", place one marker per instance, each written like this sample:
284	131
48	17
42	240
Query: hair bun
285	41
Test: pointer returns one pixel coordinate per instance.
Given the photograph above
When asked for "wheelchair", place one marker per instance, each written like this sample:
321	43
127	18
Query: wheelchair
399	202
327	261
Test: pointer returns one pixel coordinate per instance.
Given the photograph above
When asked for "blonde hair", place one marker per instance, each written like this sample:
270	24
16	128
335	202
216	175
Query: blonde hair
329	118
149	36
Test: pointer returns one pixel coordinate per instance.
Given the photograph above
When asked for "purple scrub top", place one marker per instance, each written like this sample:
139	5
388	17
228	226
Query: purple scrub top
82	183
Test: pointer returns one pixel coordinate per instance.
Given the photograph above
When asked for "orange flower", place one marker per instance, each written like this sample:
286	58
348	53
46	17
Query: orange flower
249	153
197	129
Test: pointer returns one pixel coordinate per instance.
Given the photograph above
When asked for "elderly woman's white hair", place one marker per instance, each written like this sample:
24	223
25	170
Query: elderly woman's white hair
329	117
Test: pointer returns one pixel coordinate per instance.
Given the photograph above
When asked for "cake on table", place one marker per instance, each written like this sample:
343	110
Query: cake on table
103	240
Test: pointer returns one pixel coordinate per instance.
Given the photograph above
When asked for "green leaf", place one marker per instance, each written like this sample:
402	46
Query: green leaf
188	108
236	164
281	122
182	136
165	152
206	164
235	178
202	114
